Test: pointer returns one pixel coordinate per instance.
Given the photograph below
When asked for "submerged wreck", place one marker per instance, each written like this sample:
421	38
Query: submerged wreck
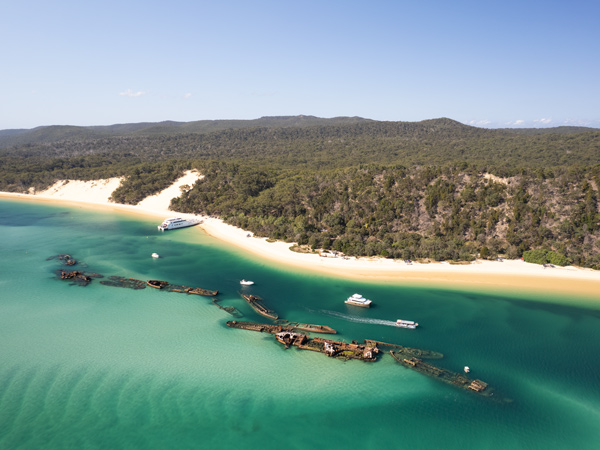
254	326
447	376
129	283
66	259
190	290
228	309
307	327
78	277
258	305
407	351
76	274
282	325
132	283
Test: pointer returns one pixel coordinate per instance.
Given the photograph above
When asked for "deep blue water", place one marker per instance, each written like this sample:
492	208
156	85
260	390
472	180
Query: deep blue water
101	367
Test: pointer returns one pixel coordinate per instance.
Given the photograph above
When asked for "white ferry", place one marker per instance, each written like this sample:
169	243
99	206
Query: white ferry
177	222
406	324
358	300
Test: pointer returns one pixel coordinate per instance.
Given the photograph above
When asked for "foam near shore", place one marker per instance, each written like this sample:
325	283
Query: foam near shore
506	275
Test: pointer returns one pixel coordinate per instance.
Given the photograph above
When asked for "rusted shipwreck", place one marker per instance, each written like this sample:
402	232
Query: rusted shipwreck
74	275
191	290
78	277
335	349
157	284
66	259
308	327
447	376
129	283
282	325
132	283
289	337
228	309
258	305
406	351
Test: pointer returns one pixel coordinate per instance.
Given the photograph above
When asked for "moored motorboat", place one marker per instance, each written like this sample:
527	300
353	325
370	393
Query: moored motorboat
246	282
358	300
155	255
406	324
467	370
177	222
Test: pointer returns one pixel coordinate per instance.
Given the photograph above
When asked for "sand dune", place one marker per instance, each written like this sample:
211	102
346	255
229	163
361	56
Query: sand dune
162	200
97	191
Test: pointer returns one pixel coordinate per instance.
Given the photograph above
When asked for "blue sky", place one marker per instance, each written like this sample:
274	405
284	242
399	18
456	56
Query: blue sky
492	64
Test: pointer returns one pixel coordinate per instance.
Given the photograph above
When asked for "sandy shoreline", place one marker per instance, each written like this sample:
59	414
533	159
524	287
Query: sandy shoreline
509	275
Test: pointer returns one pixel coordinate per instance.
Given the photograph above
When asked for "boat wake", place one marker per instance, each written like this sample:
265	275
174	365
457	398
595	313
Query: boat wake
349	318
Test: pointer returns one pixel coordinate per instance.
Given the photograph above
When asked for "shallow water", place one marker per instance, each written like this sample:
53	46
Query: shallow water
102	367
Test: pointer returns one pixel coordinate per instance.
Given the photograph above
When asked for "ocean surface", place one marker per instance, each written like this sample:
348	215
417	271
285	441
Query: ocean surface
100	367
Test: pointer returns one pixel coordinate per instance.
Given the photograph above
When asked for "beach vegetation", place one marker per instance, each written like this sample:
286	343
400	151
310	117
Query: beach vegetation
543	256
484	253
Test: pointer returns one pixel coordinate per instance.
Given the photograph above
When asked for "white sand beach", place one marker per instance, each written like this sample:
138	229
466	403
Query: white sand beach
489	275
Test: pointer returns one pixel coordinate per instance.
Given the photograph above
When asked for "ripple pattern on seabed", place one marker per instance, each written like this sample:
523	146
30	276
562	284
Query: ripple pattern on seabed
100	368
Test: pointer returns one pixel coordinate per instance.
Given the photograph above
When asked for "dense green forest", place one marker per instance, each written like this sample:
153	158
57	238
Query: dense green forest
435	189
450	212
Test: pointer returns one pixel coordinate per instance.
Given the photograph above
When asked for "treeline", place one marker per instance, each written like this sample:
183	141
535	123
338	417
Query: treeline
442	213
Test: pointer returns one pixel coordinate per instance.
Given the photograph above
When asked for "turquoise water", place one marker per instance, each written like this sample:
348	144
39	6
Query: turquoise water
100	367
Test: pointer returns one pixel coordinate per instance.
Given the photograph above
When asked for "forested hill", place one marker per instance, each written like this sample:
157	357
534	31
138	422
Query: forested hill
58	133
434	189
438	141
332	127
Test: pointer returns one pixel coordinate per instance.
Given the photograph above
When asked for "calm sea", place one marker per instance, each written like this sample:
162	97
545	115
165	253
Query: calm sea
108	368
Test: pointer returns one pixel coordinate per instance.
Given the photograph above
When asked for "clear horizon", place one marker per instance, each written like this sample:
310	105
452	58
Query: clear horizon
511	65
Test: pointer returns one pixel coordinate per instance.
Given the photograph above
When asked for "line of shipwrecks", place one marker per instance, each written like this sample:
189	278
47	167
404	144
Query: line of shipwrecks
288	335
296	334
83	278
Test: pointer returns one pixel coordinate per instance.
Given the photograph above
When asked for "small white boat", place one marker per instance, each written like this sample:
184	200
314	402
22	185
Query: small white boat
155	255
467	370
246	283
406	324
358	300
